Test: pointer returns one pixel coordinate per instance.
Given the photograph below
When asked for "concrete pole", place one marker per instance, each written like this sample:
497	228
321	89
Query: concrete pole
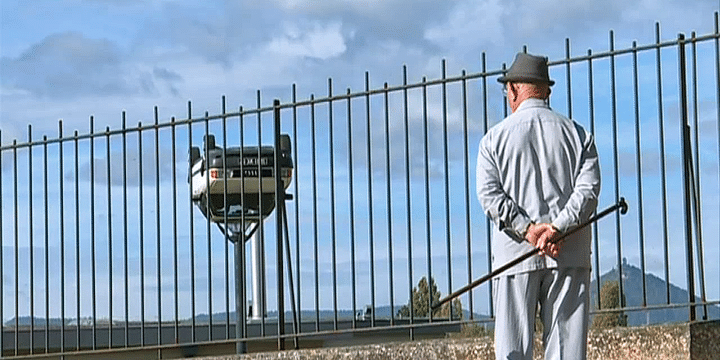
257	298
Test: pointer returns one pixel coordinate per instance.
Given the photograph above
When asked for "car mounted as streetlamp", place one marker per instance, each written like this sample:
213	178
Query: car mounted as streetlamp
246	178
237	189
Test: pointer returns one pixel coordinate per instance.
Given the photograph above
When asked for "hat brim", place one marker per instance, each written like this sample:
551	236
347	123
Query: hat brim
525	79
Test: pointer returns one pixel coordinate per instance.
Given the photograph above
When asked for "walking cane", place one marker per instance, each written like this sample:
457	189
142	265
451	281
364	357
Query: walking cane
621	205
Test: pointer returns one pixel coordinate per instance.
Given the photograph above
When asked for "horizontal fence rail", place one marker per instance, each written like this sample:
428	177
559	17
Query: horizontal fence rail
112	240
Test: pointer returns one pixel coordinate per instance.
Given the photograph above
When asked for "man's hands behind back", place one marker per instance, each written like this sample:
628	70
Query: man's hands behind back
541	235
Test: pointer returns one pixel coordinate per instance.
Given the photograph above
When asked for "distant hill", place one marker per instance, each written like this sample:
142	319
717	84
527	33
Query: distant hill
39	322
381	312
656	295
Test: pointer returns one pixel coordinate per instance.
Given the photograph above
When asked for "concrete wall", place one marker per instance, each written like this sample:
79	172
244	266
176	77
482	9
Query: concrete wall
696	341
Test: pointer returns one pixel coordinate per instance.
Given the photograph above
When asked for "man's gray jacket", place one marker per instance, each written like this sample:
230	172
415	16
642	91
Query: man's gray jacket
538	166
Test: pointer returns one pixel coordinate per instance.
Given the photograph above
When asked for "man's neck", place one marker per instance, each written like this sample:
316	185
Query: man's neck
521	98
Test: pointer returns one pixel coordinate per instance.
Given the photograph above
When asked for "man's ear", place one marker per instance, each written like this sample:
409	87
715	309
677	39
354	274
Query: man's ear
513	90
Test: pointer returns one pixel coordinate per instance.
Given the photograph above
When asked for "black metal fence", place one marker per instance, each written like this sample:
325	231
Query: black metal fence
103	246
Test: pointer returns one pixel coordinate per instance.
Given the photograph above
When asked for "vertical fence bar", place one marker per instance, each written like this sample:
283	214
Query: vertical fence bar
226	238
77	240
351	199
446	161
297	202
618	233
717	92
663	172
466	166
61	234
279	220
226	231
108	174
288	253
208	228
717	79
93	254
157	229
241	347
489	225
487	219
591	108
173	168
389	204
638	165
125	230
567	76
426	165
47	247
17	246
697	200
31	241
505	102
314	212
371	240
687	180
240	305
263	286
333	234
141	230
192	230
408	208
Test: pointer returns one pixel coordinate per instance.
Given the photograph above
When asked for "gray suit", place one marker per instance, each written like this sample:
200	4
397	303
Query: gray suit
537	166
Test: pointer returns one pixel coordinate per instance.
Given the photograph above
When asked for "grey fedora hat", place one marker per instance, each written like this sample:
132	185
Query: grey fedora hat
528	68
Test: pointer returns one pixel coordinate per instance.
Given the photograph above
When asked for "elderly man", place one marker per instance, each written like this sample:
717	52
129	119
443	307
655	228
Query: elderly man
538	176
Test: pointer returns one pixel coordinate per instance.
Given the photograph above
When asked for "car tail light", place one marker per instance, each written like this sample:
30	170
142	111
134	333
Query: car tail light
216	173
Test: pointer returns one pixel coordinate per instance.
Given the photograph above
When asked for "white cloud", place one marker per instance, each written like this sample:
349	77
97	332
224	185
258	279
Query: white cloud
366	6
11	130
470	25
69	64
320	42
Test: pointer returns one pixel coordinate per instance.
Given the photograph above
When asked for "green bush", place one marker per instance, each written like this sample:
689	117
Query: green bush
421	303
610	299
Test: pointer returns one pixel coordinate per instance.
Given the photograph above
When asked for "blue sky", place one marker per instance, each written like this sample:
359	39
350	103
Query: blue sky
72	59
137	54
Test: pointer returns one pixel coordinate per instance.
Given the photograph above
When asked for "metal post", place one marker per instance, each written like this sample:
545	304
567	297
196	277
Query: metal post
616	167
697	202
257	299
280	213
687	180
240	294
240	346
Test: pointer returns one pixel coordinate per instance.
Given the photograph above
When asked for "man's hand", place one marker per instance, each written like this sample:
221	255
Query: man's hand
541	235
